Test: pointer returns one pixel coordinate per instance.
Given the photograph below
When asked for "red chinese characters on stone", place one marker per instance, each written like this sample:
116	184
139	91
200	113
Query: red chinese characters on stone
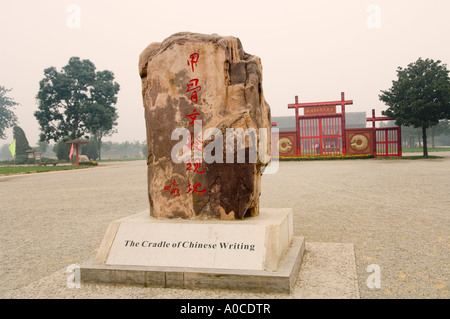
195	143
195	189
197	167
198	143
192	86
193	60
193	116
172	188
190	142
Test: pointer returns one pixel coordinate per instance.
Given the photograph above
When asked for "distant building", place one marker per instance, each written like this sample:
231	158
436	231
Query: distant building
355	119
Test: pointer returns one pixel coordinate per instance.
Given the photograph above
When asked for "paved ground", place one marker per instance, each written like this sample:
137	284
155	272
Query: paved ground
394	212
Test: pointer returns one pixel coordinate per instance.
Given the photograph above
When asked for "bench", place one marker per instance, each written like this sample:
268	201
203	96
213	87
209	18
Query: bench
54	163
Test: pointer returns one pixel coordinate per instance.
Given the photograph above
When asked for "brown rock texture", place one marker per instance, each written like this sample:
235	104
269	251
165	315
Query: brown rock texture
203	84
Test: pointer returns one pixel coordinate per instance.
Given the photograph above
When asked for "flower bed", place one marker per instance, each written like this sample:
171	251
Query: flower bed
90	163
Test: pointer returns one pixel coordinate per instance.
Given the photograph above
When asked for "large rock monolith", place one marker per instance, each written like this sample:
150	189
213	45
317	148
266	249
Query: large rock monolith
204	104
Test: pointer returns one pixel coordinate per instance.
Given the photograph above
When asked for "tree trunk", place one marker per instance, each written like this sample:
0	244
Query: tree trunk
99	149
98	141
424	138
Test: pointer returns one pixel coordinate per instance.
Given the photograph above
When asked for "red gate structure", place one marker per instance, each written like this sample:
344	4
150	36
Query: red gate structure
360	141
320	131
387	140
285	143
321	135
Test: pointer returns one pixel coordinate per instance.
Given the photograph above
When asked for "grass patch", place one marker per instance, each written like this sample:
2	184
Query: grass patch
409	157
353	157
7	170
430	149
121	159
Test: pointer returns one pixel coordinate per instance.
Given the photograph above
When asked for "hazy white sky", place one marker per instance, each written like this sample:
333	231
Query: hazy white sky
313	49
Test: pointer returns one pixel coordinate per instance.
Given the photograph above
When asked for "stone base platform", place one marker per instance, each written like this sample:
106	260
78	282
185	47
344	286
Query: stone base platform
282	280
256	254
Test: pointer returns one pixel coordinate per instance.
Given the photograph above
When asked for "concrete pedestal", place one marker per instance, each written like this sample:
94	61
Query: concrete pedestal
258	253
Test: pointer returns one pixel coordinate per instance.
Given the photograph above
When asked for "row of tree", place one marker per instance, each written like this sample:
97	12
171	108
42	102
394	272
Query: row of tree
111	150
79	101
412	137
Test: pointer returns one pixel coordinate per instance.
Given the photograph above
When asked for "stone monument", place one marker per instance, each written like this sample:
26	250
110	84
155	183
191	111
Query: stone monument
207	87
208	140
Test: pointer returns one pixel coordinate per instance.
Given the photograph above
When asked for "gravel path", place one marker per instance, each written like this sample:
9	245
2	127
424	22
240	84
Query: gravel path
394	212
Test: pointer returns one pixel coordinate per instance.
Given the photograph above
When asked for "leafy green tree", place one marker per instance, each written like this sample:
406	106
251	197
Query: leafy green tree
7	117
62	150
103	116
22	144
101	121
420	97
76	101
90	150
